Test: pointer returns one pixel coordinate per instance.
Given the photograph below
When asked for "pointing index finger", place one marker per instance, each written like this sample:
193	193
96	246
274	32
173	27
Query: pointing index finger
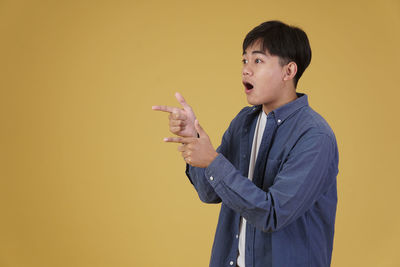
182	140
164	108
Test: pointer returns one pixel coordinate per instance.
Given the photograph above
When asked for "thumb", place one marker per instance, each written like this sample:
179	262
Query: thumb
181	100
199	129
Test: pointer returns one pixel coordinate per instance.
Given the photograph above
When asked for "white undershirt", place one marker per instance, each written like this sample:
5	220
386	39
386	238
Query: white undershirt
258	133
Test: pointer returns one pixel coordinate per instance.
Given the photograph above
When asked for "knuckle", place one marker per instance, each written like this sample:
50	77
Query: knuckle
173	129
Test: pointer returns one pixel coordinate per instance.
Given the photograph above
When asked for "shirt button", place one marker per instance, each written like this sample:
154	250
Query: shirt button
237	236
211	178
279	121
231	262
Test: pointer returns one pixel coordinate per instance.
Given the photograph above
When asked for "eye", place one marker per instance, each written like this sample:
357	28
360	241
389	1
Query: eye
258	60
244	61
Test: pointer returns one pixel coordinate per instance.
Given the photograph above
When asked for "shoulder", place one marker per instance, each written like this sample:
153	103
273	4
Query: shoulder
312	121
240	117
310	134
245	110
313	124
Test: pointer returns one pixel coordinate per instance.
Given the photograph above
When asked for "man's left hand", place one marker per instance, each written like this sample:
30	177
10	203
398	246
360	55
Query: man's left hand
197	152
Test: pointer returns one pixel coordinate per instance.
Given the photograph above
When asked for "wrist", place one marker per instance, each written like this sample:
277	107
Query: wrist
212	158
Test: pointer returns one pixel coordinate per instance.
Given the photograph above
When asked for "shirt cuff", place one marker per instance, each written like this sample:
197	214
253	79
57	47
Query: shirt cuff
218	170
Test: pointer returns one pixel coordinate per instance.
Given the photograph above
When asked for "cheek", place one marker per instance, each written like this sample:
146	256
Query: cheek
265	71
271	77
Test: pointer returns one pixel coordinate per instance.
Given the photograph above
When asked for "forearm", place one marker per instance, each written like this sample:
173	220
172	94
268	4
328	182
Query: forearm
239	193
296	187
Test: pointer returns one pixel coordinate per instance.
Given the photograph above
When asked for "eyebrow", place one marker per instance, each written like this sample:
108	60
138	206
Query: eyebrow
256	52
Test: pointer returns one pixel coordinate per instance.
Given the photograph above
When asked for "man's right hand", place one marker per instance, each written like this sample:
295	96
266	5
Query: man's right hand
181	120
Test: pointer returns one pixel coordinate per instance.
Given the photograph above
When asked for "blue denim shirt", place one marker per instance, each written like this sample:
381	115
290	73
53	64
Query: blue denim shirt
290	211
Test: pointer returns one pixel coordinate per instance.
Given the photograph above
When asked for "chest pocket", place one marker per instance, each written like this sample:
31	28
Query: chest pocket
271	170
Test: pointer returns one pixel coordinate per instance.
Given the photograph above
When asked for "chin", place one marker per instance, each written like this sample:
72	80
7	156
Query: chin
253	101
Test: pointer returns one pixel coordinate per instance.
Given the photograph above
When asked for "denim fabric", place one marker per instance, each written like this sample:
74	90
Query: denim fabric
290	205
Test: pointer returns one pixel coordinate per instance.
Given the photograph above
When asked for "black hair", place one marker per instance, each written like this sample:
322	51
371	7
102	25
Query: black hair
289	43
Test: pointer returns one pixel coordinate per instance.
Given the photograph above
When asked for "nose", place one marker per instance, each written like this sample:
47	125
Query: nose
246	71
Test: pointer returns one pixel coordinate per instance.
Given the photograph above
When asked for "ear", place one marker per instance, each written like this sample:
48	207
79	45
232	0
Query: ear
290	71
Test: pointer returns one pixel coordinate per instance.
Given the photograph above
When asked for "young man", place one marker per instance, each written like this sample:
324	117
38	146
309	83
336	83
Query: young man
275	170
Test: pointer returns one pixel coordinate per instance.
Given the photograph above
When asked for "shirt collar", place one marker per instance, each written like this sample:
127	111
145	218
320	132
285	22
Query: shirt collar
283	112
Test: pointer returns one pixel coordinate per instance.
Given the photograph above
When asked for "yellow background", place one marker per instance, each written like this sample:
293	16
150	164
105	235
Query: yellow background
85	179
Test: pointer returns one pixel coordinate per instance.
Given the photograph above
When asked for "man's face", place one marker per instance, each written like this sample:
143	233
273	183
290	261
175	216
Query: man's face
262	76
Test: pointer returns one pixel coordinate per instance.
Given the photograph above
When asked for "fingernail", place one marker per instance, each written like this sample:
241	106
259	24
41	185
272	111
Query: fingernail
165	139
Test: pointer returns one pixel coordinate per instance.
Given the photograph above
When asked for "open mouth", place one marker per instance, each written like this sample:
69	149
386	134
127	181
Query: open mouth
248	86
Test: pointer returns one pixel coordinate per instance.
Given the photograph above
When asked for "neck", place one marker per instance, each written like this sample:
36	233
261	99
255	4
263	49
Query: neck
286	98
